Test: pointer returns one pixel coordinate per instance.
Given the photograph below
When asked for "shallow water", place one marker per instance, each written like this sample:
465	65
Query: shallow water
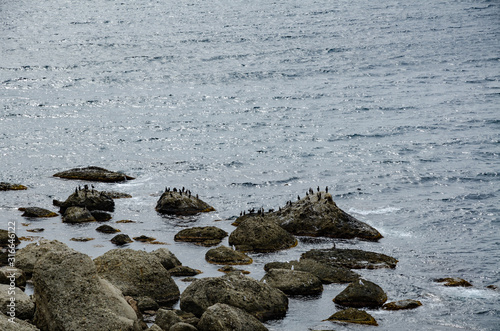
392	105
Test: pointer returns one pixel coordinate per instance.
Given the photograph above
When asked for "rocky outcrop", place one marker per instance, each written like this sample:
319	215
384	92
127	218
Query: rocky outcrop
326	273
70	295
222	317
93	174
36	212
11	187
227	256
402	304
138	274
361	293
293	282
205	236
167	259
23	307
9	275
258	234
181	202
76	214
353	315
351	258
453	282
16	325
256	298
27	257
87	198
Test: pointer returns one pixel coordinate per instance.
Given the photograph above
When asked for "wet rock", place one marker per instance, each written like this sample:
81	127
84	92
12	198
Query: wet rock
121	239
402	304
36	230
117	195
180	202
351	258
181	326
226	255
101	216
353	315
144	238
70	295
232	270
492	287
454	282
138	274
88	198
82	239
326	273
8	238
361	293
11	187
10	274
93	174
77	215
166	318
222	317
257	234
166	258
146	304
23	307
183	271
106	229
17	325
293	282
256	298
206	236
27	257
37	212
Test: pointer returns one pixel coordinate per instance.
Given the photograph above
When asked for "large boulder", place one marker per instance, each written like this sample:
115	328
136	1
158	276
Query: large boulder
361	293
351	258
293	282
27	256
258	234
76	214
353	315
402	304
167	259
88	198
22	307
222	317
14	324
138	274
11	275
205	236
37	212
93	174
227	256
70	295
11	187
326	273
181	202
256	298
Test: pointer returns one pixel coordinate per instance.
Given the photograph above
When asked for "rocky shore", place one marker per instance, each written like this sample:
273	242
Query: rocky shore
115	291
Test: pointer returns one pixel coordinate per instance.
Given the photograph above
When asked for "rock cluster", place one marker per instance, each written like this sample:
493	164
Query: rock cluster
181	202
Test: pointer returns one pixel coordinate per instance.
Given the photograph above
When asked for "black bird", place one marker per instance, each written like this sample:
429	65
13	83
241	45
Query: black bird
298	197
326	189
318	188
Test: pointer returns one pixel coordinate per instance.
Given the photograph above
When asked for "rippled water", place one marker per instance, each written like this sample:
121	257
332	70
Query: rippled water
393	105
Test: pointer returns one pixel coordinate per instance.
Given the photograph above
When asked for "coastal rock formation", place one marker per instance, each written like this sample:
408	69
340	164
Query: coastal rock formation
87	198
326	273
227	256
7	238
205	236
23	306
37	212
11	187
70	295
167	259
181	202
293	282
353	315
402	304
138	274
222	317
258	234
453	282
76	214
18	325
27	256
361	293
9	274
93	174
351	258
256	298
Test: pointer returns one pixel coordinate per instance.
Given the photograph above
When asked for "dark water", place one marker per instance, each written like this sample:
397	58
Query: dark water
393	105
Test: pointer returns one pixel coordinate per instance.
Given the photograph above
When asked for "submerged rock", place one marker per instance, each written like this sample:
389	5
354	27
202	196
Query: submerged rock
351	258
454	282
93	174
353	315
293	282
361	293
256	298
76	214
37	212
88	198
181	203
226	255
106	229
183	271
222	317
258	234
206	236
11	187
121	239
402	304
117	195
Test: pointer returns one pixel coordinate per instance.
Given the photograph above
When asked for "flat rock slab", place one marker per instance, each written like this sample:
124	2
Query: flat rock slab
205	236
351	258
353	315
37	212
93	174
293	282
11	187
227	256
181	203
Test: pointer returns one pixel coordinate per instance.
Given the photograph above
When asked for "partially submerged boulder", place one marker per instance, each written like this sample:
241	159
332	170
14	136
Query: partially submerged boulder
76	214
181	202
351	258
36	212
453	282
121	239
293	282
183	271
402	304
93	174
107	229
361	293
88	198
256	298
326	273
353	315
222	317
11	187
205	236
258	234
138	274
227	256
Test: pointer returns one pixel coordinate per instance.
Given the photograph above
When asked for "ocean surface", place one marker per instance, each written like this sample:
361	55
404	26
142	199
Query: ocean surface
394	105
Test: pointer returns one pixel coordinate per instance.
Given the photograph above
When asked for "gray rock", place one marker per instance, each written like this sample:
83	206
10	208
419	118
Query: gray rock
205	236
11	187
121	239
167	258
88	198
183	271
361	293
70	295
293	282
7	238
9	274
181	203
138	274
256	298
154	327
93	174
222	317
23	307
16	325
181	326
353	315
106	229
402	304
351	258
147	303
37	212
76	214
27	257
225	255
166	318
